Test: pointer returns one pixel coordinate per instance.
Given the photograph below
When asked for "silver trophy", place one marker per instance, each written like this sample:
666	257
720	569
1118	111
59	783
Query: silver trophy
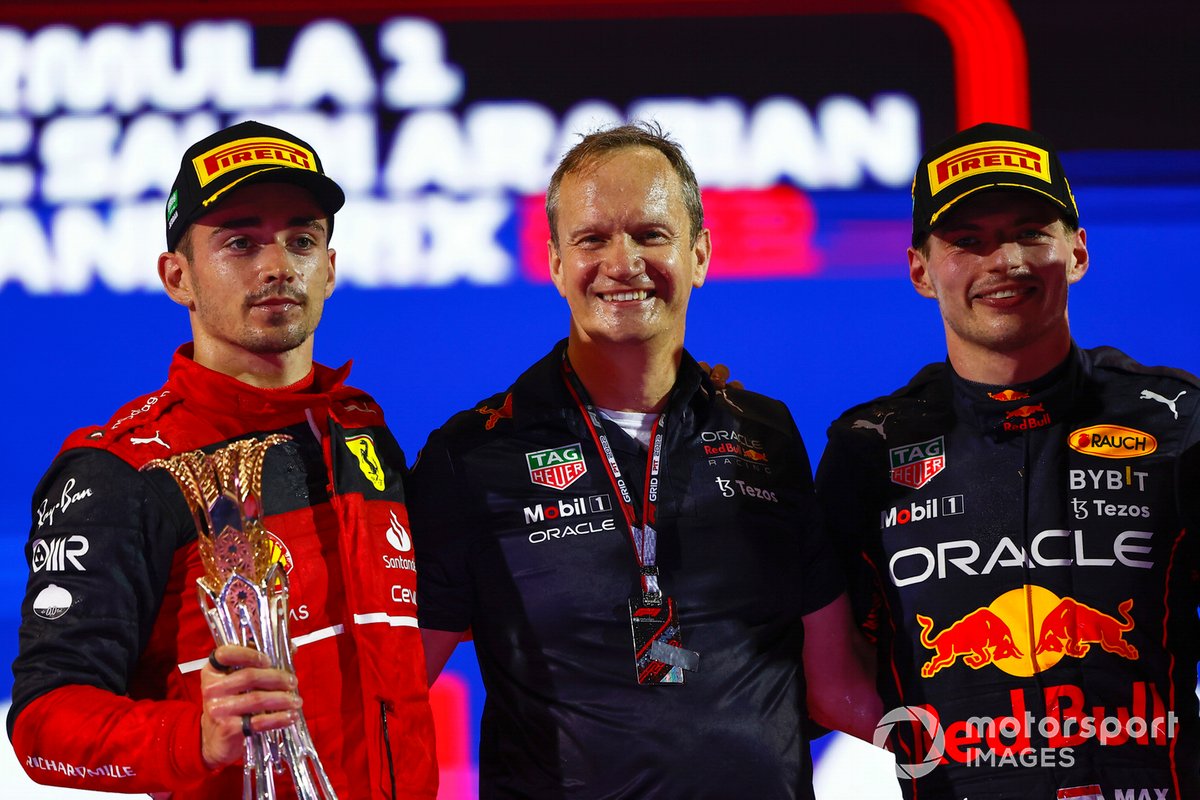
244	596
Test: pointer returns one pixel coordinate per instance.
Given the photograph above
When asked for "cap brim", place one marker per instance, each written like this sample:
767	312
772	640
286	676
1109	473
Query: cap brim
1068	213
933	222
328	194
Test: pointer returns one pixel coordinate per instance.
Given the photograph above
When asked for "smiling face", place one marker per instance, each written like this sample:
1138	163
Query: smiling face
626	260
999	267
254	274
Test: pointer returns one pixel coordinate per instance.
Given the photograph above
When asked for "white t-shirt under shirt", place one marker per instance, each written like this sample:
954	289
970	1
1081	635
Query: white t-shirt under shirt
637	424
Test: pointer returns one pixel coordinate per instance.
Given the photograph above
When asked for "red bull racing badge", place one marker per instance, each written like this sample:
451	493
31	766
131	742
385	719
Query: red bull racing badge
1000	634
915	465
1026	417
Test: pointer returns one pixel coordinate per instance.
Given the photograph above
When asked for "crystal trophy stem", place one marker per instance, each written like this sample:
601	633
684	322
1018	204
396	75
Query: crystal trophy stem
244	597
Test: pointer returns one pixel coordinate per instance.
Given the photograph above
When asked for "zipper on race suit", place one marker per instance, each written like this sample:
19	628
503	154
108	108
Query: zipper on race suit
387	742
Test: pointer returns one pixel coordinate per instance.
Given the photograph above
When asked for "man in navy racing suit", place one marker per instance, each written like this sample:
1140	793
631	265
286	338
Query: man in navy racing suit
1020	521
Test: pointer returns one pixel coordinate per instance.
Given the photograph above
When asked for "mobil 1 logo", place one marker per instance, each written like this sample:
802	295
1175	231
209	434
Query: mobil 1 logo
932	508
575	507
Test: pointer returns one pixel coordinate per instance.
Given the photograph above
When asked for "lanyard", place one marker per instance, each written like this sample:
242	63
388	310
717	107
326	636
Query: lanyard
643	537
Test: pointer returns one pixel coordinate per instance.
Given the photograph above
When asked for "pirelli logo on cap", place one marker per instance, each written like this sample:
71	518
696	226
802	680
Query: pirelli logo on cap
980	157
260	151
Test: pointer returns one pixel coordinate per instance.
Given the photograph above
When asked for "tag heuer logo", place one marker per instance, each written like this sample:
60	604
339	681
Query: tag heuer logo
557	467
915	465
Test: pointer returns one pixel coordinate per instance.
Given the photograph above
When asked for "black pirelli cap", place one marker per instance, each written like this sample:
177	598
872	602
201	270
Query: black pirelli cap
241	155
987	156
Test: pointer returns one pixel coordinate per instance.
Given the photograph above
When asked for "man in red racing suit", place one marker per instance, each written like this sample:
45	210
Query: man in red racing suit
117	684
1020	522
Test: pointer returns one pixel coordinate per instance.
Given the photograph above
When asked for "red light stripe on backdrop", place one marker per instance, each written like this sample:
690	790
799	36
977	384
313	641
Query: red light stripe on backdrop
991	70
764	233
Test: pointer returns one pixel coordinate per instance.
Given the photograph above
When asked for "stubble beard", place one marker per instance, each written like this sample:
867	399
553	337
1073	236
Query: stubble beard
281	336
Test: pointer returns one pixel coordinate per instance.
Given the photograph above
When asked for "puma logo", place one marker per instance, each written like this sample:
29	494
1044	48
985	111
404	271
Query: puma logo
875	426
357	407
155	438
494	415
1149	395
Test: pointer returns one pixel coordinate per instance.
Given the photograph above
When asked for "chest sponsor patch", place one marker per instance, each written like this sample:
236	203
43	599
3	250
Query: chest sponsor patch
556	467
59	553
363	448
1112	441
915	465
52	602
398	536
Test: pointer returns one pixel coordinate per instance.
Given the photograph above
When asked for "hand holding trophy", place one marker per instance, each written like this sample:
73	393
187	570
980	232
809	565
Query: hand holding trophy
244	597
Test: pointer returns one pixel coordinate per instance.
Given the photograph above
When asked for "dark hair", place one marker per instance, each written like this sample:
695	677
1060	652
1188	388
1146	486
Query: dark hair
636	134
184	246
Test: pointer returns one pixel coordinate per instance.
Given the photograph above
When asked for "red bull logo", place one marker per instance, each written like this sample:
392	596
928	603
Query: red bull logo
1025	411
1009	394
1006	736
980	637
1028	417
1001	634
983	157
1072	628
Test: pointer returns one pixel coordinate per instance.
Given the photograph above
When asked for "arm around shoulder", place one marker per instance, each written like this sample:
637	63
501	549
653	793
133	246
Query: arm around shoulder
439	645
839	669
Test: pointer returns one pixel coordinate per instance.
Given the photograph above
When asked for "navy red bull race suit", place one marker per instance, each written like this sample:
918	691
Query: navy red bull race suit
1025	558
107	682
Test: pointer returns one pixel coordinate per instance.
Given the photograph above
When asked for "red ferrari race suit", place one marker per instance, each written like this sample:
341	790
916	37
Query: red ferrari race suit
107	681
1026	558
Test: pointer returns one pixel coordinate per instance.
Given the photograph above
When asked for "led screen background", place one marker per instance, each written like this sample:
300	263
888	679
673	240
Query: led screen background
804	128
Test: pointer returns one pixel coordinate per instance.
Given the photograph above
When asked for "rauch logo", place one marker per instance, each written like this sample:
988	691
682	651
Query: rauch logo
1112	441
